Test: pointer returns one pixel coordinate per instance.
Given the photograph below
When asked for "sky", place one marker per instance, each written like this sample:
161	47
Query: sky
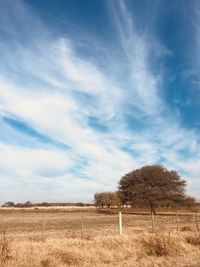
90	90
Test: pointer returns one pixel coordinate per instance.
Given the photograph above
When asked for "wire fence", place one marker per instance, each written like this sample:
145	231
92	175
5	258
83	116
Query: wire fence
86	223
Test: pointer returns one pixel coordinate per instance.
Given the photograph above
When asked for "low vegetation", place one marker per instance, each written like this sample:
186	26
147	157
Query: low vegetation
139	250
29	204
194	240
160	244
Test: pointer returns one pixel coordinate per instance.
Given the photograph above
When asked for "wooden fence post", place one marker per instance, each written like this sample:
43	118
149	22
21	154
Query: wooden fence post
197	223
177	222
120	223
43	228
81	224
152	222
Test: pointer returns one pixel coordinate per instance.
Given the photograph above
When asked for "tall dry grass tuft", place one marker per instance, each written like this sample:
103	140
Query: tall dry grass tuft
193	240
67	257
186	229
46	263
5	248
159	244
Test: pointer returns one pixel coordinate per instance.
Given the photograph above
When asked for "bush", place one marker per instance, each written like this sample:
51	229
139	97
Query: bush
8	204
67	257
194	240
186	229
159	245
46	263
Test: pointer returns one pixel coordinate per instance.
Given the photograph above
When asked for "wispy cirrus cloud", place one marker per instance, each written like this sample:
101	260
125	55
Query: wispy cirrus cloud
144	84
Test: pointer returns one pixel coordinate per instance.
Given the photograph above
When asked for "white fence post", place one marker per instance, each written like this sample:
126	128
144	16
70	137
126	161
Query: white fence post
120	223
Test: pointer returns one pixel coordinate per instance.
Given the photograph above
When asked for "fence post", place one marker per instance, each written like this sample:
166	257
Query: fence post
43	228
177	222
152	222
197	223
81	224
120	223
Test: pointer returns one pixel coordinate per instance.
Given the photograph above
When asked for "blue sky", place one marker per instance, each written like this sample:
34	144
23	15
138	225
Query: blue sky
90	90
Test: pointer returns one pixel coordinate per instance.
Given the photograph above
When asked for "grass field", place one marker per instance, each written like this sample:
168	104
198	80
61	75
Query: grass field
59	237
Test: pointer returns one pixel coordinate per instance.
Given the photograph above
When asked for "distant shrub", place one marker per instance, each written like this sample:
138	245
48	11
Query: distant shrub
28	204
186	229
194	240
8	204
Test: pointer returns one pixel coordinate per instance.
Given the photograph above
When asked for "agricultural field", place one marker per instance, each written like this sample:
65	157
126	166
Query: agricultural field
50	237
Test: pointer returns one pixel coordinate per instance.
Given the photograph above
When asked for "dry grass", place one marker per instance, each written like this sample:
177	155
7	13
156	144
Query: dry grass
100	245
5	248
129	250
67	222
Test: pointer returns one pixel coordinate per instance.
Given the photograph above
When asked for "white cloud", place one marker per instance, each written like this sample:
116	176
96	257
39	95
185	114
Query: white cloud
26	163
144	88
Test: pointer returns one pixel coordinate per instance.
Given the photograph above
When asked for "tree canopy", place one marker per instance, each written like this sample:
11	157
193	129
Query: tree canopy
106	199
152	185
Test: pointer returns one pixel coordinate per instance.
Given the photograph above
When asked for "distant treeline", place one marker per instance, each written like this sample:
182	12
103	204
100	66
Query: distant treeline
29	204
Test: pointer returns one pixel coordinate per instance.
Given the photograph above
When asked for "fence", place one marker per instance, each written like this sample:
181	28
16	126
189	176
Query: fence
82	223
